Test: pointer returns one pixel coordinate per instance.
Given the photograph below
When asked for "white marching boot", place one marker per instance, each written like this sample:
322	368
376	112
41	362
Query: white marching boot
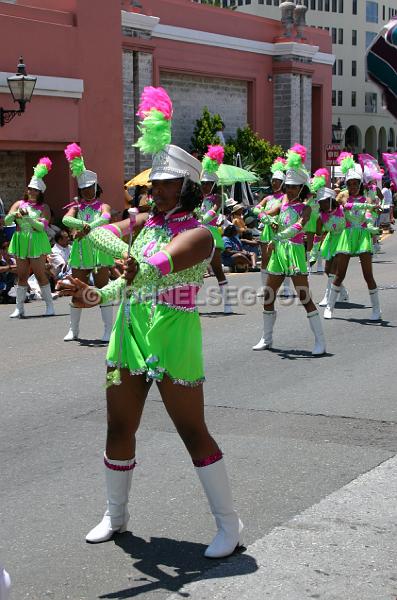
107	318
317	329
310	268
47	297
376	312
266	341
324	301
73	333
285	290
261	291
216	486
19	311
118	475
329	309
5	584
320	264
343	294
227	307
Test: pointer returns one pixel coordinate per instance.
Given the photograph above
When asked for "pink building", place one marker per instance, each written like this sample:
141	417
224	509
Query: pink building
92	64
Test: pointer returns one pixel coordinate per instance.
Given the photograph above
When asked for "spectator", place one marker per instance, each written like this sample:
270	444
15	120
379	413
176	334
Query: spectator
2	214
52	229
58	260
8	271
220	136
238	219
234	254
387	216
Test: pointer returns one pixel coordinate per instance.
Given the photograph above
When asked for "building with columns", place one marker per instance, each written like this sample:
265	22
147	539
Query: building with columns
352	25
241	66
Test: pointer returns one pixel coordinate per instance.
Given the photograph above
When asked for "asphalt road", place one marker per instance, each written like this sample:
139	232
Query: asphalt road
293	428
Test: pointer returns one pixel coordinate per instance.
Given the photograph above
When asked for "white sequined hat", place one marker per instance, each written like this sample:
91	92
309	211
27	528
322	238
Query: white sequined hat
325	193
355	173
174	163
37	184
87	179
206	177
297	177
278	175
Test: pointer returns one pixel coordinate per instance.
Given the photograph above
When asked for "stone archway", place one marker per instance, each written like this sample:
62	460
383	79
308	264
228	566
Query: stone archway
382	140
371	141
391	142
353	139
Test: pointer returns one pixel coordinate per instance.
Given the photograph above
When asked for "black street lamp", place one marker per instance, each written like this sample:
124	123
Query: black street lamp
338	132
21	87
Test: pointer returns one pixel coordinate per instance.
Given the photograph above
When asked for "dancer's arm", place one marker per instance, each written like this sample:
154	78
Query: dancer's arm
12	214
70	221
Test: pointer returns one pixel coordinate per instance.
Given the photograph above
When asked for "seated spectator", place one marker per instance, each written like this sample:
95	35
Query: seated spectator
52	229
234	255
238	219
8	270
250	245
58	260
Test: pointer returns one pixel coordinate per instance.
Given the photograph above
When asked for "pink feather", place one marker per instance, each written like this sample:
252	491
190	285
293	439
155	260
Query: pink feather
47	162
342	156
73	151
280	159
322	173
216	153
155	97
301	150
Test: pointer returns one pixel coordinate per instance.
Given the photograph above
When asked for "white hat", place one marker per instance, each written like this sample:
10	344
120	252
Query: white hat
325	193
355	173
174	163
237	207
278	175
87	179
37	184
206	177
230	202
297	177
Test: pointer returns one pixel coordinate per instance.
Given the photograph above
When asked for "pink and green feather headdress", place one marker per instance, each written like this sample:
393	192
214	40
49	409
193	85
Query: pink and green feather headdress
280	164
155	110
346	162
296	156
74	156
319	180
213	159
43	167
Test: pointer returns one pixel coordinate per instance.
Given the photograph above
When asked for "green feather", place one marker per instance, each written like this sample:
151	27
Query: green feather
210	165
347	164
40	171
156	133
294	160
317	184
77	166
277	166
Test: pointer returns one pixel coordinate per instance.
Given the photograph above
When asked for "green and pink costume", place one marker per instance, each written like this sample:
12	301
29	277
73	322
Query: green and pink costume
209	218
356	238
30	239
289	256
272	202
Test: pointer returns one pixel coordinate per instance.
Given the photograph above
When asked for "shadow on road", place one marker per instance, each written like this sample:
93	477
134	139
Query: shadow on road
216	315
169	565
366	322
92	343
297	354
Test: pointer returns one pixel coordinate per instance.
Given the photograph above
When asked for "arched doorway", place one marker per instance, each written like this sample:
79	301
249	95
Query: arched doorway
382	141
353	139
371	141
391	142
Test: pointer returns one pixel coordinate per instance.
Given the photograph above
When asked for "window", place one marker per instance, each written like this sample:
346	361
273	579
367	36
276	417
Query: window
354	7
354	99
340	98
354	37
334	5
369	36
326	5
313	4
384	13
340	36
341	6
333	97
269	2
340	67
371	102
320	5
354	68
334	68
333	35
371	11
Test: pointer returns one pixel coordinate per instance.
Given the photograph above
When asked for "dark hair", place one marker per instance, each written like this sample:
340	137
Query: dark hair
230	230
99	192
40	197
60	234
361	189
304	193
191	196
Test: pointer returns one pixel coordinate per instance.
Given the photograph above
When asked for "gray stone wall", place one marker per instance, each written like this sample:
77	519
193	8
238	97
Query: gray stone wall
145	71
190	93
12	177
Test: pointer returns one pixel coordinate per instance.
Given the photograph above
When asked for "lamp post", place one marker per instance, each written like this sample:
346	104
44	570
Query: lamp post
287	16
21	87
338	134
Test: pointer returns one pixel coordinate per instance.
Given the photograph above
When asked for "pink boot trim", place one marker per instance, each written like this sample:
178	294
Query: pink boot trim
110	465
210	460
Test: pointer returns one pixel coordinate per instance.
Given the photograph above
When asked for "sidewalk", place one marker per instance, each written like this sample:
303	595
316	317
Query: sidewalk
344	548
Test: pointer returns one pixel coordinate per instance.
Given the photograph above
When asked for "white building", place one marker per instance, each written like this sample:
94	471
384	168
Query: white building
352	25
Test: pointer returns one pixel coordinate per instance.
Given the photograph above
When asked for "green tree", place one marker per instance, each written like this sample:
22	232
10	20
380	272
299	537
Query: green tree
205	131
256	153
